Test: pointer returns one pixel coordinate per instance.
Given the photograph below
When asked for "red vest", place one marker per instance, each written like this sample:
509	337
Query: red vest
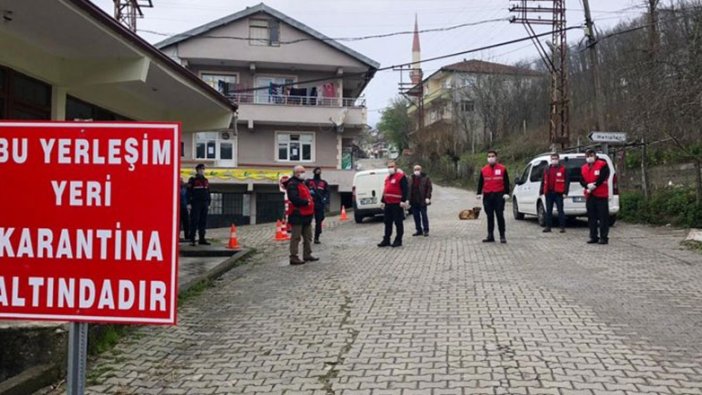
305	211
560	185
393	190
590	175
494	179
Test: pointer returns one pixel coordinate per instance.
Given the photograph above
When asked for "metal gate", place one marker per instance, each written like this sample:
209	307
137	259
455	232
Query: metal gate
227	209
270	207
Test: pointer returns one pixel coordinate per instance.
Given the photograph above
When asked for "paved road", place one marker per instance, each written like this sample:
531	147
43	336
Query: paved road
442	315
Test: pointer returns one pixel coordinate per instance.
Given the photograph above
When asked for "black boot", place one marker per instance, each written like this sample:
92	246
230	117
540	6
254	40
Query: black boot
397	243
489	239
384	243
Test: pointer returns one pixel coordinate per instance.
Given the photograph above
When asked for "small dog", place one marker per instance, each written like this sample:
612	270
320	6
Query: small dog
474	213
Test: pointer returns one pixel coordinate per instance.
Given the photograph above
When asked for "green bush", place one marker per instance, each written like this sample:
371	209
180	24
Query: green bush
676	206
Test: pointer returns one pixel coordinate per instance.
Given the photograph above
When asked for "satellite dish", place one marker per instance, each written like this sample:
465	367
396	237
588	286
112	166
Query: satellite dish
339	119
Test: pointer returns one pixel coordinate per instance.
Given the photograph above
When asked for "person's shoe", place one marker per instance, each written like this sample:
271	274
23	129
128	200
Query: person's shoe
426	234
593	241
316	241
604	241
204	242
415	234
296	261
503	240
489	240
192	243
547	230
396	243
384	243
562	230
311	259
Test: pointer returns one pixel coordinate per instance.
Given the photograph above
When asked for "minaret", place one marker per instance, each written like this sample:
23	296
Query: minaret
416	73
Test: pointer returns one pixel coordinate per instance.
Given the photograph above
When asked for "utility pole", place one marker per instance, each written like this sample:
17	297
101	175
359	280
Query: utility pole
598	95
528	14
128	11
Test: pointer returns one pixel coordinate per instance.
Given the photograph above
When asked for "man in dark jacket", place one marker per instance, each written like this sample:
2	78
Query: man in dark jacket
199	200
184	213
320	191
300	214
555	186
420	189
394	204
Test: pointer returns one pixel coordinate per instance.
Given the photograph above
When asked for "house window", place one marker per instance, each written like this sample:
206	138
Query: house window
277	88
216	146
264	32
467	106
206	145
223	83
295	147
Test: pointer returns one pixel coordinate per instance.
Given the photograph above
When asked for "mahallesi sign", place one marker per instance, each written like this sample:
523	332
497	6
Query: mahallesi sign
89	224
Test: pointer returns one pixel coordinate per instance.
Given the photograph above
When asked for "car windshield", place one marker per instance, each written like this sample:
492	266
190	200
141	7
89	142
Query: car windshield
573	165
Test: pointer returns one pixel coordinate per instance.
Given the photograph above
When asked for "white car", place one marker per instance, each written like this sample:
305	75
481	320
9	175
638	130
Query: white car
368	187
527	198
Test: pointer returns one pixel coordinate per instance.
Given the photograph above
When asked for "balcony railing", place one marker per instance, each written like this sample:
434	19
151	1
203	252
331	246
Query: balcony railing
292	100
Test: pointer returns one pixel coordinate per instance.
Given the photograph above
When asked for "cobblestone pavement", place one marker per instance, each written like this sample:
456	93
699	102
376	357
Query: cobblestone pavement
442	315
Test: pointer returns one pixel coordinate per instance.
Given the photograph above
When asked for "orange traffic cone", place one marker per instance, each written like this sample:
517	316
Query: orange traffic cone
279	235
233	240
344	217
287	230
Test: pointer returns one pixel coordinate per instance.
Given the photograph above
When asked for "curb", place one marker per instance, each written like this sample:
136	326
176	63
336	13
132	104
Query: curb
214	273
38	377
31	380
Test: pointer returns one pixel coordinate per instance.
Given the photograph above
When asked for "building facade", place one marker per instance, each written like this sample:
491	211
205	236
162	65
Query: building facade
451	108
300	102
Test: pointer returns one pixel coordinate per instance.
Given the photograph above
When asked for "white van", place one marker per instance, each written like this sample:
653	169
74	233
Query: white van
368	189
528	200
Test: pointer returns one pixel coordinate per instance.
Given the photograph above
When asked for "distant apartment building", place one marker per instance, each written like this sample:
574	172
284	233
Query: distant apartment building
449	94
300	102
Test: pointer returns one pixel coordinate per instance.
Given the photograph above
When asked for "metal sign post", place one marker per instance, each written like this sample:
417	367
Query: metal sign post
607	138
77	357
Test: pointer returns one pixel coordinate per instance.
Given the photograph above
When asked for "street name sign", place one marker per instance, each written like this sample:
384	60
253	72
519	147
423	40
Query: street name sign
89	224
607	137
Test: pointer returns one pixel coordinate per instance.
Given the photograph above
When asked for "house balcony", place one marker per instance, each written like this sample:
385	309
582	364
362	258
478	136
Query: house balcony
302	110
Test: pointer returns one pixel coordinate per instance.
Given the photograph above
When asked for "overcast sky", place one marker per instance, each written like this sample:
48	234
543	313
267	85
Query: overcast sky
352	18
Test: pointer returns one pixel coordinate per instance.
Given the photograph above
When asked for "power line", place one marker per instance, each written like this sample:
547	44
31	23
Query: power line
484	48
408	64
358	38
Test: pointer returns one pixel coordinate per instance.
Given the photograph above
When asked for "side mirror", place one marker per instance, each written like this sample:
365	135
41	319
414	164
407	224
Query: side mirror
518	181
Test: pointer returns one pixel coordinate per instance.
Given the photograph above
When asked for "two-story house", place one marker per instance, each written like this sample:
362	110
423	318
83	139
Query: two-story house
300	102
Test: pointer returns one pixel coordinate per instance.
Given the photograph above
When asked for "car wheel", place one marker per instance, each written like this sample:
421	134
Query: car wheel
612	220
515	210
358	218
541	214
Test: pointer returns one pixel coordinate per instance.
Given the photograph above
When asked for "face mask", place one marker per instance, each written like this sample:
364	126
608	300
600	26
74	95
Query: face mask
554	162
392	170
317	174
492	160
417	173
590	159
200	172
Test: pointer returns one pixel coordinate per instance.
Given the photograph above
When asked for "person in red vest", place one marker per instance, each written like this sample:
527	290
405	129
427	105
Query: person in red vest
300	215
595	180
395	203
493	190
555	186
